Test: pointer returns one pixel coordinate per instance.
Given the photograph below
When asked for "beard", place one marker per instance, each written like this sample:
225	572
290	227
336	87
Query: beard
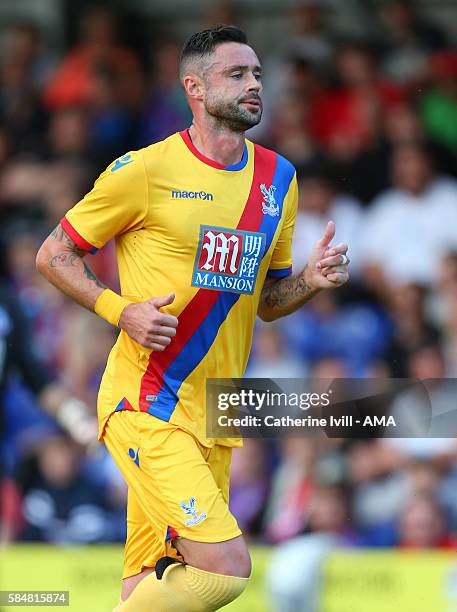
231	114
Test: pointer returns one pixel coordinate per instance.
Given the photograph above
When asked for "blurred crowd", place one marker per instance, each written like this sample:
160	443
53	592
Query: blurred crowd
371	126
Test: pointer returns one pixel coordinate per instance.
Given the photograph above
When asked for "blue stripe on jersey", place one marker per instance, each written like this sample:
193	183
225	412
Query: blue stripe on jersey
281	273
120	406
241	164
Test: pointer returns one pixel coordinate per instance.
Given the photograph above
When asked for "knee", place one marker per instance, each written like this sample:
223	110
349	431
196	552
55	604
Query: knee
235	561
230	558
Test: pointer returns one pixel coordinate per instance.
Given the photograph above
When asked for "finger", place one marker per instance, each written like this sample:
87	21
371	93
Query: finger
334	269
338	278
158	348
336	260
328	235
167	320
341	248
164	300
170	332
159	339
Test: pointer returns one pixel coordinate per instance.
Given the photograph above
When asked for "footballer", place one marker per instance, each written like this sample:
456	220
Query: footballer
203	226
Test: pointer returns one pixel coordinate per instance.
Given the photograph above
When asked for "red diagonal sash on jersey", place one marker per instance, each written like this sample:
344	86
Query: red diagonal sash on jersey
196	311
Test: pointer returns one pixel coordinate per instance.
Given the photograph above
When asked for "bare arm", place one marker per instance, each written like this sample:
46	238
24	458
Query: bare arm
280	298
327	268
60	260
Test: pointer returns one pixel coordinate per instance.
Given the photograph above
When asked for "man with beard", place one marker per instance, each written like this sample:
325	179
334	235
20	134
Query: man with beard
203	221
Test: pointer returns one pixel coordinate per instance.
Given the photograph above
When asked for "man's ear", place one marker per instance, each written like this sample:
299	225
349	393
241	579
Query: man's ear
193	86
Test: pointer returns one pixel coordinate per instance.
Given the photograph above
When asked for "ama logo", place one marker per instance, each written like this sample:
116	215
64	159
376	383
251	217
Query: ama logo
228	260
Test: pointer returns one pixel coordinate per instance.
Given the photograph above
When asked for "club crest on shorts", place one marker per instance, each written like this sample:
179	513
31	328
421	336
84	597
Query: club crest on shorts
269	206
191	511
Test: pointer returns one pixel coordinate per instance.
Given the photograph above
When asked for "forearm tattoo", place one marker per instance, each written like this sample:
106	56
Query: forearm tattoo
91	276
293	290
68	259
64	260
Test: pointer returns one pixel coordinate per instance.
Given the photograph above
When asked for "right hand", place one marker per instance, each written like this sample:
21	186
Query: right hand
145	324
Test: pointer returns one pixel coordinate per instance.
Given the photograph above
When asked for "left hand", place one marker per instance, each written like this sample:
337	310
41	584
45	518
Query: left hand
327	265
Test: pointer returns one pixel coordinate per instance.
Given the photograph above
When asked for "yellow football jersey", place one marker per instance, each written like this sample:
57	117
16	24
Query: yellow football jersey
185	224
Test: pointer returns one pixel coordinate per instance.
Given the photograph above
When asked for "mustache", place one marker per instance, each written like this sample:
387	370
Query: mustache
255	97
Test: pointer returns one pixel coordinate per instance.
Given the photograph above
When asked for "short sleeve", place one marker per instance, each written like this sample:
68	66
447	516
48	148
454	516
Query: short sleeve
281	260
116	204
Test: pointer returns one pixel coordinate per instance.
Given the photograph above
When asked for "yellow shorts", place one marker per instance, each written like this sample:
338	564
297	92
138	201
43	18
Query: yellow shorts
176	487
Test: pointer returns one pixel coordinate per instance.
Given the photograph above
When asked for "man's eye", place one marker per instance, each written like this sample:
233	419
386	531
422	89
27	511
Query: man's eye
237	75
258	76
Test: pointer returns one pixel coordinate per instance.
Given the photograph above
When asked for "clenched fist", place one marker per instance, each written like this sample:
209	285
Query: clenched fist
145	324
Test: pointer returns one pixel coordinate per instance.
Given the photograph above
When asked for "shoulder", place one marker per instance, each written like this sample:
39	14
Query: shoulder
136	161
283	168
157	150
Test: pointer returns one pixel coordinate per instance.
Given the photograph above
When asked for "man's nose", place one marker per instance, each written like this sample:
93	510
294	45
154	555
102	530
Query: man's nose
254	84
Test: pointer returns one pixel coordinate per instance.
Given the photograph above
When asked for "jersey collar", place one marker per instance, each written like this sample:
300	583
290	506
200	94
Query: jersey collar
210	162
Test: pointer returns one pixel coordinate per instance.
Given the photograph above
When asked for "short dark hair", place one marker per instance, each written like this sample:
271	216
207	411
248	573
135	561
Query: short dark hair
205	42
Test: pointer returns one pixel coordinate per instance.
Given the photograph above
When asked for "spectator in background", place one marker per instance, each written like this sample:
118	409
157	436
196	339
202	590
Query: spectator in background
430	407
166	110
60	505
24	68
319	201
310	39
19	358
329	330
411	226
330	514
300	589
403	126
249	485
271	357
292	488
98	52
438	105
379	489
444	309
422	525
346	121
297	69
289	110
23	44
409	40
411	327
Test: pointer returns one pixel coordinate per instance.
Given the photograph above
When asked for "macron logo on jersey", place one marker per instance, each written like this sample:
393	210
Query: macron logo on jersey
227	259
191	195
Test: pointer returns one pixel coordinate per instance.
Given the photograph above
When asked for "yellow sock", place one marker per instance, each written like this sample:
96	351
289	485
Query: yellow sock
184	588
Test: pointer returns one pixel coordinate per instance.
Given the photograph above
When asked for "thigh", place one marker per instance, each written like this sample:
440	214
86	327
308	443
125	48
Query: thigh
143	547
171	480
219	459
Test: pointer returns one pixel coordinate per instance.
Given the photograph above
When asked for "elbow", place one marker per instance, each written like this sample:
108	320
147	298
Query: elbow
266	315
41	260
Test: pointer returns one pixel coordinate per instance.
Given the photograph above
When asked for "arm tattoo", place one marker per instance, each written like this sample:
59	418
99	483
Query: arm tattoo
286	291
70	258
64	260
61	235
91	276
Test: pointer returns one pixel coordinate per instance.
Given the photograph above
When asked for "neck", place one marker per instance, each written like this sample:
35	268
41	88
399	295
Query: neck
219	143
